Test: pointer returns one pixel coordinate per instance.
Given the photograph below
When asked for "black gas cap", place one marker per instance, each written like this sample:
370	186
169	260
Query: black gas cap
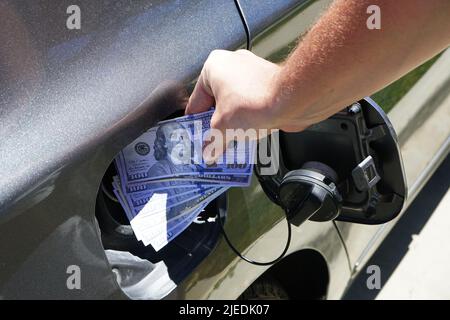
310	192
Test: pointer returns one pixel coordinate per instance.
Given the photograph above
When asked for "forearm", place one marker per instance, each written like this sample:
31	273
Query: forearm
341	61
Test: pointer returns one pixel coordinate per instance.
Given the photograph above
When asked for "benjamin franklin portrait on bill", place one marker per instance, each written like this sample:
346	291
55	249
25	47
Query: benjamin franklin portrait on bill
172	150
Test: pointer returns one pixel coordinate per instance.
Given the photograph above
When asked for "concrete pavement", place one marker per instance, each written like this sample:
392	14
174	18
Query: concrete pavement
424	272
414	259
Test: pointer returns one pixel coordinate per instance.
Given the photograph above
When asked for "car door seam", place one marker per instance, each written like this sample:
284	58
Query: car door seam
245	23
344	245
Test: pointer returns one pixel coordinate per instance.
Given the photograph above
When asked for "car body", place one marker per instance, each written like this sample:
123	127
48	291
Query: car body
72	99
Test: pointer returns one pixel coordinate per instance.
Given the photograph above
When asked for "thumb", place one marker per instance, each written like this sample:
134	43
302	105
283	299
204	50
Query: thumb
201	98
218	146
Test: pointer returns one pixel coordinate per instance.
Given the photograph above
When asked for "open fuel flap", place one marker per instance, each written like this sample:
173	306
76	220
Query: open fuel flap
347	167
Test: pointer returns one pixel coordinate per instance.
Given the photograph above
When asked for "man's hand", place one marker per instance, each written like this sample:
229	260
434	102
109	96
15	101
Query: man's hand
241	86
339	61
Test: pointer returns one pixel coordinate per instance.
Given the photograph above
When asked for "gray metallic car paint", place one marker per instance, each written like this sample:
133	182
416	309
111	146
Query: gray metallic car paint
261	14
70	100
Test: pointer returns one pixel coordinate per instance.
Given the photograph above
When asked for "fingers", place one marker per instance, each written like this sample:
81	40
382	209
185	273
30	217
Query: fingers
216	139
219	137
201	98
216	147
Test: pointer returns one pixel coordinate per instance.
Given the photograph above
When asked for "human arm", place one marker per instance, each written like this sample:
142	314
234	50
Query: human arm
339	61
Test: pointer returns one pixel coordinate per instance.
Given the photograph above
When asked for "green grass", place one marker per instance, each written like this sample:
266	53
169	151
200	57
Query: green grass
390	95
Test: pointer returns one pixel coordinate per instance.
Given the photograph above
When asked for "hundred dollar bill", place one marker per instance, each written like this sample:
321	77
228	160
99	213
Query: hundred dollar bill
152	226
164	218
168	184
197	179
162	237
174	195
157	219
158	234
174	149
125	198
159	224
172	205
133	203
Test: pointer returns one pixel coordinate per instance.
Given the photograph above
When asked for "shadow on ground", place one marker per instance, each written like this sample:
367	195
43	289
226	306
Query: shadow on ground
395	246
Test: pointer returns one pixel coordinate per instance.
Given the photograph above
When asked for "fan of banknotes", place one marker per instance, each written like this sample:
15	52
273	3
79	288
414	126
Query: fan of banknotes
163	184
